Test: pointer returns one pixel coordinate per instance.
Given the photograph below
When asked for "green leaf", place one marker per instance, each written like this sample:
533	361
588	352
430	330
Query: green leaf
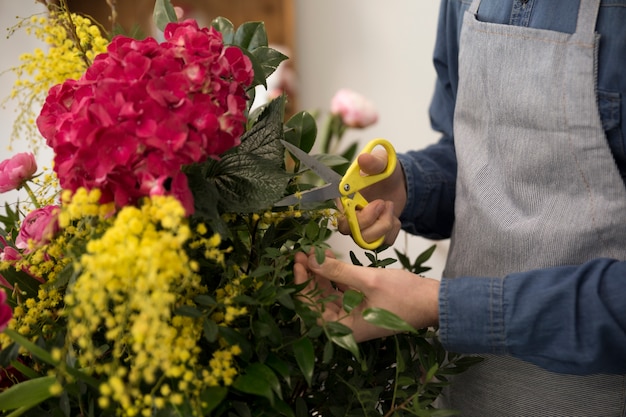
348	343
352	299
280	366
226	28
27	285
27	394
424	256
254	381
268	59
301	130
210	329
354	259
305	357
188	311
251	35
212	397
387	320
163	14
335	328
329	350
45	356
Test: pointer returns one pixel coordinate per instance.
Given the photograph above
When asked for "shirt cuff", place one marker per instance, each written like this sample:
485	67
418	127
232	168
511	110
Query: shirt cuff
471	315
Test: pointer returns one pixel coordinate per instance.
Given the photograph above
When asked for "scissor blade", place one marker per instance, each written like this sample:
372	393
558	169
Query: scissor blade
325	173
317	194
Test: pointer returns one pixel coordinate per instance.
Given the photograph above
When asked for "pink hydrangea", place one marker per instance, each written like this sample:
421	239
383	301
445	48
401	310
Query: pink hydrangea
5	311
144	109
353	108
39	225
14	171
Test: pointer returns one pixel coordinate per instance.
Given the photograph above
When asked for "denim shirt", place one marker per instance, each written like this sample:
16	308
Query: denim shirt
475	309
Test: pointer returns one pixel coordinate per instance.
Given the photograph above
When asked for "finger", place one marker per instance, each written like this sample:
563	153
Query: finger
342	274
366	217
387	225
302	275
374	162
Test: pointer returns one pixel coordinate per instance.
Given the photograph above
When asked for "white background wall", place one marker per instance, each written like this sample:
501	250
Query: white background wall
381	49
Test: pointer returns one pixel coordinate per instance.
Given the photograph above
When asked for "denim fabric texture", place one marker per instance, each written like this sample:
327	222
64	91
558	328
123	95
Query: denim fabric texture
504	314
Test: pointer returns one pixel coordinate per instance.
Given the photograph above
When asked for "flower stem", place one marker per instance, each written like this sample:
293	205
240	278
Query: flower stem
32	195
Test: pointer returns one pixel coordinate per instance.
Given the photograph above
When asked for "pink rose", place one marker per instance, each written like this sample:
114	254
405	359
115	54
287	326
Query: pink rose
5	311
354	109
14	171
39	225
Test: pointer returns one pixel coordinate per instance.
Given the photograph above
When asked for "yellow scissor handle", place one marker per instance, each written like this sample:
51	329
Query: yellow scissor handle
353	182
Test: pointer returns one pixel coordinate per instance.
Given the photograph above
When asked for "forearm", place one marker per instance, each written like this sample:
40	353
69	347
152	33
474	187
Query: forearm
568	319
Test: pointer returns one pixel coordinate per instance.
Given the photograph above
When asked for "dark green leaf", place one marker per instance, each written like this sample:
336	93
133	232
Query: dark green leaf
280	366
305	357
163	14
212	397
205	300
387	320
424	256
188	311
255	383
210	330
269	59
354	259
251	35
226	28
328	352
301	130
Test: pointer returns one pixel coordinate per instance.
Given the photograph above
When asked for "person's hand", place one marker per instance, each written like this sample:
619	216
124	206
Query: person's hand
387	200
413	298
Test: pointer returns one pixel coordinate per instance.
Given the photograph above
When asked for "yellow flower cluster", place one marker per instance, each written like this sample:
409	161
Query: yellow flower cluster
121	311
73	42
83	204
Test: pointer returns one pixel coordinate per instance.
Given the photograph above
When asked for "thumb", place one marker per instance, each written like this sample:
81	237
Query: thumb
374	162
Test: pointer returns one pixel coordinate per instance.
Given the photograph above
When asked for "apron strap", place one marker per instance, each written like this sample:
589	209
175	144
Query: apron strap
587	16
473	9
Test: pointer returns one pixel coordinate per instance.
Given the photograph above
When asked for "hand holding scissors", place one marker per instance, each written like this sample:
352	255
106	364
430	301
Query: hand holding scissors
347	188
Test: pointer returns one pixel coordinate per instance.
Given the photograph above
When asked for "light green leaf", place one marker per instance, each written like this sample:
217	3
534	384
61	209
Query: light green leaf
163	13
27	394
387	320
351	299
305	357
348	343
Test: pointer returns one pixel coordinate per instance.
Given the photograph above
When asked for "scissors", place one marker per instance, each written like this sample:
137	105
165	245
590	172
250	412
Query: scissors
346	188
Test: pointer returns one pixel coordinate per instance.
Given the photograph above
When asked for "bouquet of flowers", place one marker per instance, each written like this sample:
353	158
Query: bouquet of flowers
151	275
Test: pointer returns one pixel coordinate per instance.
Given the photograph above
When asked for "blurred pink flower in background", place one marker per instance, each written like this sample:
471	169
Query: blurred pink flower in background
14	171
39	225
5	311
353	108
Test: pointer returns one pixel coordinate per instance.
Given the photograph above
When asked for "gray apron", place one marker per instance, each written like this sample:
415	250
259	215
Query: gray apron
537	187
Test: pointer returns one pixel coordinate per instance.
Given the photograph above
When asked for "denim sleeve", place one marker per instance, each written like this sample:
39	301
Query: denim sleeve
569	319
